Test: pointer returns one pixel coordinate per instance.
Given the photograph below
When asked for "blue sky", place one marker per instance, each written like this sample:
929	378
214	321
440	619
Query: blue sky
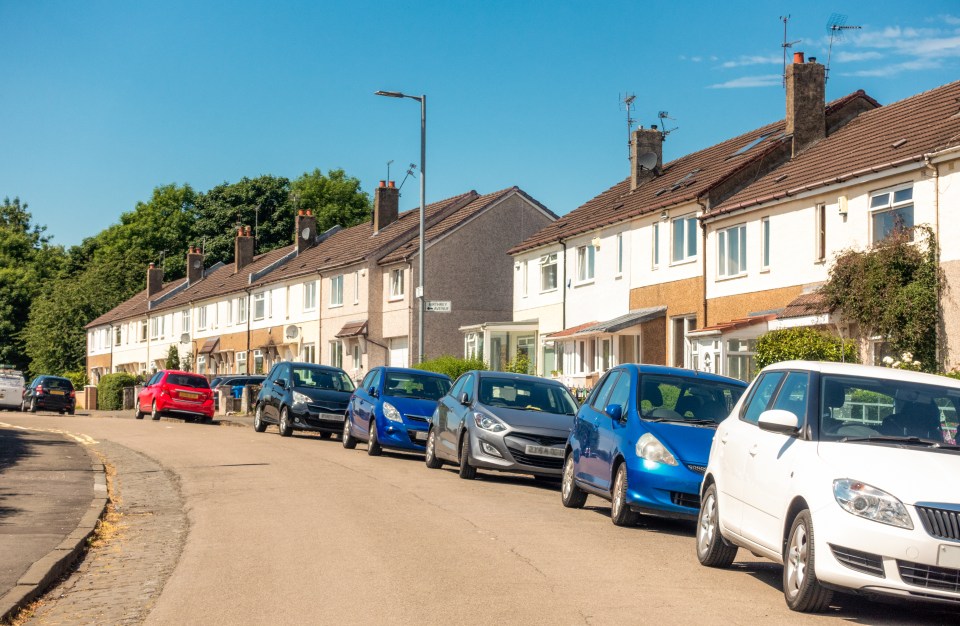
103	101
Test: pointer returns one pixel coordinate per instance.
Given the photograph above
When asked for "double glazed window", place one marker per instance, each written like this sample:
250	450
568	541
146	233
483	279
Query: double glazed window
396	284
336	291
891	211
259	306
336	354
684	238
732	251
585	263
548	272
309	295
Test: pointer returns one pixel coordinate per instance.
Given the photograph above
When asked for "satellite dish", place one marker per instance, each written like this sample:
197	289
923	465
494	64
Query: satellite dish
185	338
647	160
291	332
305	234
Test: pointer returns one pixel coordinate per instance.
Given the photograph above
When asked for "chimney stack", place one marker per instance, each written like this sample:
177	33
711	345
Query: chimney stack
806	106
154	280
306	226
194	264
386	205
646	155
242	249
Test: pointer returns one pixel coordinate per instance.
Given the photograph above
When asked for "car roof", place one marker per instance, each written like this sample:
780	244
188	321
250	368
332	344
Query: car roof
681	372
514	376
183	372
867	371
317	365
411	370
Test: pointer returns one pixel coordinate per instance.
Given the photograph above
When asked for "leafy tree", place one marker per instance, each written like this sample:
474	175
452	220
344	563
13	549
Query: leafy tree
335	199
173	358
804	343
892	290
451	366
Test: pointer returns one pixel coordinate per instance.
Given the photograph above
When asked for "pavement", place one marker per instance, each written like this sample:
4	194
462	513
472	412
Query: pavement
52	493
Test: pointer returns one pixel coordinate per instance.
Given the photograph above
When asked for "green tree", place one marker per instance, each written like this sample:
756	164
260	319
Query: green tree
803	343
335	199
173	358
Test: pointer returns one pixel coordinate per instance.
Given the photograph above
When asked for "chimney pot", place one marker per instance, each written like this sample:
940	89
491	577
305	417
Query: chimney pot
151	266
798	57
309	213
246	230
812	60
391	184
300	212
383	183
239	233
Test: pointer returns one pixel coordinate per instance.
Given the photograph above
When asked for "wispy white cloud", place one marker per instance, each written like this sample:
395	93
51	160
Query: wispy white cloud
754	59
744	82
843	56
897	68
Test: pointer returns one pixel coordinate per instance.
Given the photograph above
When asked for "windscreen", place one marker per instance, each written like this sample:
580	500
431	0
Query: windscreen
58	383
856	408
529	395
665	398
183	380
316	378
420	386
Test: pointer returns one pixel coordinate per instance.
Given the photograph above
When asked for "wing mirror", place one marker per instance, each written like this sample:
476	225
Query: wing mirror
779	421
373	392
281	382
615	411
464	399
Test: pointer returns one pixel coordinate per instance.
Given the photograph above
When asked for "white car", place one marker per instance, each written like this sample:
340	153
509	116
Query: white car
845	474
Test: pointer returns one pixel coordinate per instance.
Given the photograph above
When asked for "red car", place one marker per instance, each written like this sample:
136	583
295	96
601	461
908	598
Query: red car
170	392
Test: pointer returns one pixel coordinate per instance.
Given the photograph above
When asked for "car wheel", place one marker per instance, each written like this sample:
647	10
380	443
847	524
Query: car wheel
284	424
373	444
137	413
154	413
323	435
71	412
347	439
620	512
258	424
571	496
430	455
467	471
33	405
712	550
801	588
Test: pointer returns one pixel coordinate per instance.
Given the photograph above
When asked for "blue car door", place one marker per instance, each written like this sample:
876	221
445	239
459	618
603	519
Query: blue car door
613	434
364	403
589	419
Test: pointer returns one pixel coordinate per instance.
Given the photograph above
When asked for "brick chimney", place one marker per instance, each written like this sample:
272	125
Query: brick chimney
194	264
306	227
154	280
386	205
806	107
646	144
242	249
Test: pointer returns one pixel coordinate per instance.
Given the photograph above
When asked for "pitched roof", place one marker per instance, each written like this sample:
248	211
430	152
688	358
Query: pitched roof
135	306
736	324
884	138
683	180
805	304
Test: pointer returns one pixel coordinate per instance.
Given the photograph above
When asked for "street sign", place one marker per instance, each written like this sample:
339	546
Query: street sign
438	306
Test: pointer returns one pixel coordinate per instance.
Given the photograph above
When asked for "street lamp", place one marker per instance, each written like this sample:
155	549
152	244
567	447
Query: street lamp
422	99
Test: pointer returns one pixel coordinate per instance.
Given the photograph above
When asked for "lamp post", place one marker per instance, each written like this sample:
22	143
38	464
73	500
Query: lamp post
422	99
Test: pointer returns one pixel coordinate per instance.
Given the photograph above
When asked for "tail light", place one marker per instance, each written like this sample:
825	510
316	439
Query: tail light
73	394
39	390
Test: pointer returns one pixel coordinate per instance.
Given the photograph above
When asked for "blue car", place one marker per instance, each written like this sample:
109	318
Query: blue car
392	408
642	440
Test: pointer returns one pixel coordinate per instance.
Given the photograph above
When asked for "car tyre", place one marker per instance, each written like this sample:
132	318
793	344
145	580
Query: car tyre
620	513
258	424
323	435
347	439
33	405
467	471
571	496
801	589
137	414
154	413
71	412
373	444
430	454
283	425
712	549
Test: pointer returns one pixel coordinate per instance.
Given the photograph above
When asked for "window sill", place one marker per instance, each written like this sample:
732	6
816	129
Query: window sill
686	261
335	306
542	291
618	276
765	270
393	299
736	276
583	283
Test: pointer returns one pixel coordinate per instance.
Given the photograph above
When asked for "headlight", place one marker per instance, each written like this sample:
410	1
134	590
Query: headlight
300	398
871	503
391	413
488	422
649	448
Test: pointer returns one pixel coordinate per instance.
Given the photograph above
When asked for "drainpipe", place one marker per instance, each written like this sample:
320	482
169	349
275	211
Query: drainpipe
935	171
250	359
111	348
563	310
703	259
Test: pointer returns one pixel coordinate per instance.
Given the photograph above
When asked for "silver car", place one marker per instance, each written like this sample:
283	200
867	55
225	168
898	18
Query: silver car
504	422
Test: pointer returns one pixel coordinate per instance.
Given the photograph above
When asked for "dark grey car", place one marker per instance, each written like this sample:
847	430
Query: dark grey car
504	422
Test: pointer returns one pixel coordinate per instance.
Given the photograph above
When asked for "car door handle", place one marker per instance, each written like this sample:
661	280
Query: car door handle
754	450
723	437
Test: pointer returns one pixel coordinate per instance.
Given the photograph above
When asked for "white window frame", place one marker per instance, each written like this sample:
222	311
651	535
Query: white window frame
524	279
619	254
259	306
154	328
586	264
738	234
143	330
357	358
336	291
655	245
242	309
310	296
356	287
546	261
336	353
397	284
202	364
201	318
309	353
185	321
259	363
117	335
820	233
891	204
684	227
764	244
241	362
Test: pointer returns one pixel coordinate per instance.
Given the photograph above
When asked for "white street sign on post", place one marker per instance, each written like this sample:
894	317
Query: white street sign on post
438	306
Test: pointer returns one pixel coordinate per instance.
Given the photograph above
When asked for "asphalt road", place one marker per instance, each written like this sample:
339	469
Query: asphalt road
299	530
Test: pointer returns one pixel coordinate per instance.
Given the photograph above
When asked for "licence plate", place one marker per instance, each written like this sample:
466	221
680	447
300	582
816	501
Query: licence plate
56	393
556	453
419	435
189	395
334	417
949	556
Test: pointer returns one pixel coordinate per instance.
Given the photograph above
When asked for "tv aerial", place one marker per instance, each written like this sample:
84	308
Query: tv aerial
409	174
836	26
664	131
786	44
627	101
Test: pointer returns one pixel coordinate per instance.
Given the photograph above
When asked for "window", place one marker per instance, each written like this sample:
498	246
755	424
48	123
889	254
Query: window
357	364
682	344
258	361
793	395
309	353
202	364
820	243
603	354
892	211
201	318
741	362
214	317
619	253
732	251
762	392
116	336
356	287
185	320
548	272
585	263
599	399
154	327
310	296
259	306
655	247
684	238
336	291
241	362
523	279
527	346
396	284
241	310
143	330
765	252
336	354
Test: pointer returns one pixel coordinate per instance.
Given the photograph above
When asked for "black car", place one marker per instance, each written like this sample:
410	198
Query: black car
303	396
234	381
49	393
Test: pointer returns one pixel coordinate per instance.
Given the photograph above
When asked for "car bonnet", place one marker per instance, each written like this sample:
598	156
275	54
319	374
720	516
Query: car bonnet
690	443
412	406
521	418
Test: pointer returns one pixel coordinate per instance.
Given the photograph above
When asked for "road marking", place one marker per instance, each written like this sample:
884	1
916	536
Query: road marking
86	440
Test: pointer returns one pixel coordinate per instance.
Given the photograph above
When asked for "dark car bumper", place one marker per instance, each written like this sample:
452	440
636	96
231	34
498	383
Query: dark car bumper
48	402
323	420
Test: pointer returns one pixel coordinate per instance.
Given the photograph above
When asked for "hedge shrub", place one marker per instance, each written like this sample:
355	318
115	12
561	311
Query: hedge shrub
803	343
451	365
110	390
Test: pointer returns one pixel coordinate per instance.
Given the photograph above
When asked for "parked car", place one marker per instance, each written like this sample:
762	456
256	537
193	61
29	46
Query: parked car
49	393
642	439
236	381
392	409
11	390
172	392
845	475
303	396
501	421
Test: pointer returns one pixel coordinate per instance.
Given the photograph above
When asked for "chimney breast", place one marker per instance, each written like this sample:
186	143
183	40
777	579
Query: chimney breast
386	206
194	264
306	225
806	107
242	249
154	280
646	156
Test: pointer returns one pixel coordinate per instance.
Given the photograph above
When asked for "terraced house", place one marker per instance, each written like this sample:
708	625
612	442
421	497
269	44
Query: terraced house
343	297
687	263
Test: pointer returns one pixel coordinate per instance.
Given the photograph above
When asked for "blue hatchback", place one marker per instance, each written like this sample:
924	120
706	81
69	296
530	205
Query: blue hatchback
642	440
392	408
